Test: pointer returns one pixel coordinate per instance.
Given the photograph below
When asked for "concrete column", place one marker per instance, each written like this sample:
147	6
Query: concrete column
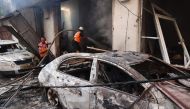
126	27
52	24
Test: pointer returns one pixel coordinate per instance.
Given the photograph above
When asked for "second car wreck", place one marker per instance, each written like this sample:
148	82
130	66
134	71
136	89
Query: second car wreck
83	69
14	58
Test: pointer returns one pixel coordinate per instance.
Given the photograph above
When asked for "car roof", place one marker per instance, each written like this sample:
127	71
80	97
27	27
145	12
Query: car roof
121	57
127	56
7	42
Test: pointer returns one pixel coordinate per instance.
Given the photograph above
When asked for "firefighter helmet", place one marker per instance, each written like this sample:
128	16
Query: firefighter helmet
81	28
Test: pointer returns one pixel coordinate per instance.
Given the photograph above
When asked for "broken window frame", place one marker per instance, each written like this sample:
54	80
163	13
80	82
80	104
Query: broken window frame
94	80
162	43
152	61
122	69
70	58
150	94
76	93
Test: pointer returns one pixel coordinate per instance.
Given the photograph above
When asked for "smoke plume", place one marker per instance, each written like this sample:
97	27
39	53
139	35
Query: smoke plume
100	21
12	5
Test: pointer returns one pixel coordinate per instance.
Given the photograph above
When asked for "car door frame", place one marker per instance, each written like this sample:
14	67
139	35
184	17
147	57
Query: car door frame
78	82
97	93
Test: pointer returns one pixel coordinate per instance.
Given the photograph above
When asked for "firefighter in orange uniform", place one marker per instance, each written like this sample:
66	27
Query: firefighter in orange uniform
76	43
42	47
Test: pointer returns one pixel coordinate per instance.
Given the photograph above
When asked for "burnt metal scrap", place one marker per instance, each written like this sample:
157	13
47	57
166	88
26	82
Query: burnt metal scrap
179	95
83	69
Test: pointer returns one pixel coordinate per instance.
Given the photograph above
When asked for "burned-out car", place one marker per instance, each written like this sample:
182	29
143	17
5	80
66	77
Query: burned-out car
83	69
14	58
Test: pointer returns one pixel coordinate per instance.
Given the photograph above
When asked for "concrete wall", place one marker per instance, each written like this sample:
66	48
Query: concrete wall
126	26
51	21
49	32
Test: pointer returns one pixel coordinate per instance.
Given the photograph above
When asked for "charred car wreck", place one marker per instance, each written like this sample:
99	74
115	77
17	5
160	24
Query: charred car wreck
80	69
14	58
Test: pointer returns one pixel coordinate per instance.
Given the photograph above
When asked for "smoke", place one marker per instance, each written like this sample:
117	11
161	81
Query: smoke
12	5
6	7
20	4
100	21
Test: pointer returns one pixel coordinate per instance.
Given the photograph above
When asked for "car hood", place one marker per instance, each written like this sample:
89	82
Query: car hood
17	55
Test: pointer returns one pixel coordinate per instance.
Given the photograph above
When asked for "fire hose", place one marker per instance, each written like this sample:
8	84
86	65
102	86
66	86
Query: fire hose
26	77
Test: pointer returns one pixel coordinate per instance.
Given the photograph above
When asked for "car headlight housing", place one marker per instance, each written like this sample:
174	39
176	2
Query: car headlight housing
6	63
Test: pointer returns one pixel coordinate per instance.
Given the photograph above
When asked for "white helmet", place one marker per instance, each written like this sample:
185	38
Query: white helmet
81	28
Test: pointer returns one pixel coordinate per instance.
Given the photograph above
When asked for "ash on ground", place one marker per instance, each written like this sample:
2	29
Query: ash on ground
28	97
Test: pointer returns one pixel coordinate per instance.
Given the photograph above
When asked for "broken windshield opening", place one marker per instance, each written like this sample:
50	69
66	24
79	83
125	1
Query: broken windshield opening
77	67
109	73
9	48
154	69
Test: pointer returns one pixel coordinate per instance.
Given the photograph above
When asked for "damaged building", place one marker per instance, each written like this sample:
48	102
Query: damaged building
120	28
125	25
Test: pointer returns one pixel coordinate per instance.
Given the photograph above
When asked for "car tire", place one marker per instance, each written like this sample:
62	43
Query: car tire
52	97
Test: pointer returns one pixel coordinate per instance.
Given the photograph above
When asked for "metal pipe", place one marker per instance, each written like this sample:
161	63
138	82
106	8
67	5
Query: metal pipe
97	49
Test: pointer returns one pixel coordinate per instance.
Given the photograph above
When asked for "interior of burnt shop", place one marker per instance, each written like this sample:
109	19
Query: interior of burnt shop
179	11
87	13
94	16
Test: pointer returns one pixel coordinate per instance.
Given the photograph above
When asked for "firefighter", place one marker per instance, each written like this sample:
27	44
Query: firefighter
42	47
77	39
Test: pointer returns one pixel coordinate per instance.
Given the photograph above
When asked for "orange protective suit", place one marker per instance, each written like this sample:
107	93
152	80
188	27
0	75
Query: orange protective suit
77	37
42	48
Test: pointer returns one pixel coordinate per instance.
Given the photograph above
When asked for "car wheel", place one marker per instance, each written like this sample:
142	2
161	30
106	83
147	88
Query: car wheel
52	97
